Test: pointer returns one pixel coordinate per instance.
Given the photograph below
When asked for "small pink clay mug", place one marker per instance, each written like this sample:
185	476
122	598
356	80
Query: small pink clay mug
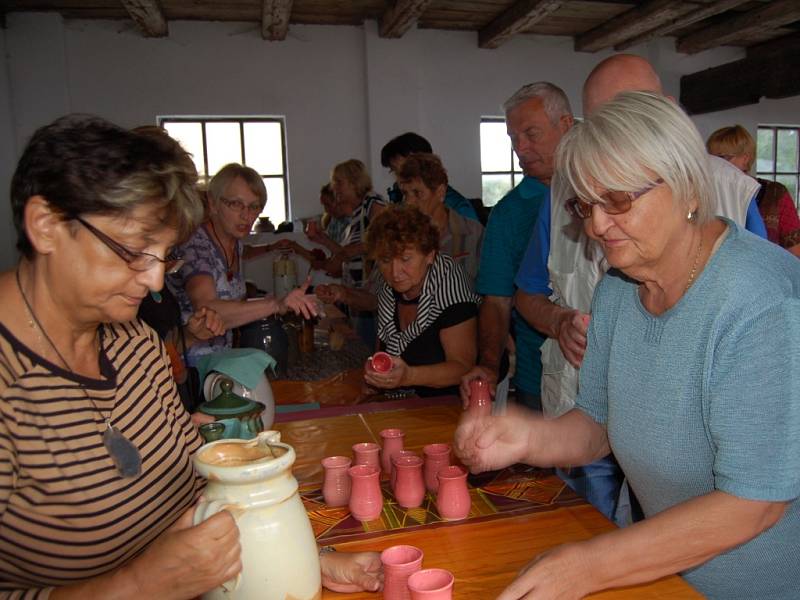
399	562
409	488
336	482
367	453
453	501
366	499
397	455
392	442
431	584
436	457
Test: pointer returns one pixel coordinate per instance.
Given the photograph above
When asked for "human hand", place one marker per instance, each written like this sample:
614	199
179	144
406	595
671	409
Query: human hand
186	561
349	572
572	336
387	380
199	418
476	372
314	232
205	324
487	443
299	302
330	293
558	574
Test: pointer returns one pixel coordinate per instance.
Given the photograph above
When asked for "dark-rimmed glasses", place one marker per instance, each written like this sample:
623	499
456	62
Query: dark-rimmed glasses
614	203
138	261
238	206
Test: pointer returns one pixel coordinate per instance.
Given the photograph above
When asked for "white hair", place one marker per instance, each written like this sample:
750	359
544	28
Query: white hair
554	100
637	133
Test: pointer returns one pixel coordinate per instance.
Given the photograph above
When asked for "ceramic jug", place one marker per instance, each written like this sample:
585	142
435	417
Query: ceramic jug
268	335
254	481
284	276
241	417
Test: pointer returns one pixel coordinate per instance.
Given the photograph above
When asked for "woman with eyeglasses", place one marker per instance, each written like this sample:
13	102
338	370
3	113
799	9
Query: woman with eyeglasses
211	274
689	374
97	486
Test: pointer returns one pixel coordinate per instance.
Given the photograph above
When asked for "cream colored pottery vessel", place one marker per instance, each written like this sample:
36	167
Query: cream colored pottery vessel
253	480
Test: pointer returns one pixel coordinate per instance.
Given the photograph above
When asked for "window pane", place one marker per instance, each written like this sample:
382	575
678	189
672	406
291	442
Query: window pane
190	136
790	181
276	201
495	187
263	147
224	145
495	147
766	162
787	150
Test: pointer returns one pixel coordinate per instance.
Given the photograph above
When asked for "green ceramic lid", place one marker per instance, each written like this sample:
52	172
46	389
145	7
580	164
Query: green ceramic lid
227	403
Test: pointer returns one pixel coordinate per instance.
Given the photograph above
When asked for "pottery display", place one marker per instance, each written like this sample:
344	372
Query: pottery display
431	584
366	498
268	335
253	480
436	457
392	442
480	400
262	394
367	453
409	490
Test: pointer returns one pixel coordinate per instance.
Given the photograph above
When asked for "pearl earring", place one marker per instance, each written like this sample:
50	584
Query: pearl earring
690	216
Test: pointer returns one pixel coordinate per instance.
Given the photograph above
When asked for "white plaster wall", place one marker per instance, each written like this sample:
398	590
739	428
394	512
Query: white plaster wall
344	90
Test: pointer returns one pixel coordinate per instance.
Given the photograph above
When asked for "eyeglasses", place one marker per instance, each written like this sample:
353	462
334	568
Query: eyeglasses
613	203
238	206
138	261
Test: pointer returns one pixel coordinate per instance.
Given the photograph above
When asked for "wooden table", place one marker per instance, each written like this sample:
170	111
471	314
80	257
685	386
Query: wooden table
484	555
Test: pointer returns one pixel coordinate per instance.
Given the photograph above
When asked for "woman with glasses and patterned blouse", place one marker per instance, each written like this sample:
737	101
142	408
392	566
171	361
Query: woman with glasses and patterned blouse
212	272
689	376
97	485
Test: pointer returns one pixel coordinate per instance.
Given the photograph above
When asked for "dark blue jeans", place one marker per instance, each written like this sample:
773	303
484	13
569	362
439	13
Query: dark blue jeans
599	483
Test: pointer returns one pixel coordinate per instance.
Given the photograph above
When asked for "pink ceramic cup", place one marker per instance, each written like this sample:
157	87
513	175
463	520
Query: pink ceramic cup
392	442
431	584
336	482
436	457
366	499
398	454
399	562
410	486
367	453
453	501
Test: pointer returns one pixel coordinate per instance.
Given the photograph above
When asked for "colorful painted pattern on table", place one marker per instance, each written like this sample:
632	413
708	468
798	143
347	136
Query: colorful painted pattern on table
513	491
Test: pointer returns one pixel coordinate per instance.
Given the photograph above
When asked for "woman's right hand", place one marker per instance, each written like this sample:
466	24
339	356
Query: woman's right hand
188	560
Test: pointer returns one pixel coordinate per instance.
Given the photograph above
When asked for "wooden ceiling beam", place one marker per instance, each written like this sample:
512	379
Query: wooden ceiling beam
643	18
401	16
769	16
519	17
707	11
148	17
275	19
769	70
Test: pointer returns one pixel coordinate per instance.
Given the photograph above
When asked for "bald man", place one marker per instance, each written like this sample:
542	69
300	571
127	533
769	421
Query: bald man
562	266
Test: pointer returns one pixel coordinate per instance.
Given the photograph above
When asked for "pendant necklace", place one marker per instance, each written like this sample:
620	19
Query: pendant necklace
122	451
229	264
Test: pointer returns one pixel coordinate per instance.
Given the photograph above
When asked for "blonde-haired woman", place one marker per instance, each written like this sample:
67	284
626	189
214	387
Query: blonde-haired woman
775	203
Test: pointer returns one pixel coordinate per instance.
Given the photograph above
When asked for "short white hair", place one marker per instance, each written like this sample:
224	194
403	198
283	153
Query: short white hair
554	100
625	138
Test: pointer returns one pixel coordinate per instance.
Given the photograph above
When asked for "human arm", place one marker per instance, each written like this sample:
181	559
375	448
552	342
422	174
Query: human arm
202	292
458	342
349	572
683	536
519	435
753	221
359	299
182	563
567	325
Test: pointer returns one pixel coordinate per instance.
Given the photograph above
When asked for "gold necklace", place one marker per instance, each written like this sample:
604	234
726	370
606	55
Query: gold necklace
123	453
693	272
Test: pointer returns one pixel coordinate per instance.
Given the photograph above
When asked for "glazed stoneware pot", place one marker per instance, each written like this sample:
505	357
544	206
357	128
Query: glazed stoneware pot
253	480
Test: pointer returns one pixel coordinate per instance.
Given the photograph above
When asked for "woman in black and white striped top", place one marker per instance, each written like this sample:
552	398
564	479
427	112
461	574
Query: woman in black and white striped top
427	311
97	487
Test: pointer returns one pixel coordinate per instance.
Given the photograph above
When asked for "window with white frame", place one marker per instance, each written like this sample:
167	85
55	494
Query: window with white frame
500	170
257	142
778	157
